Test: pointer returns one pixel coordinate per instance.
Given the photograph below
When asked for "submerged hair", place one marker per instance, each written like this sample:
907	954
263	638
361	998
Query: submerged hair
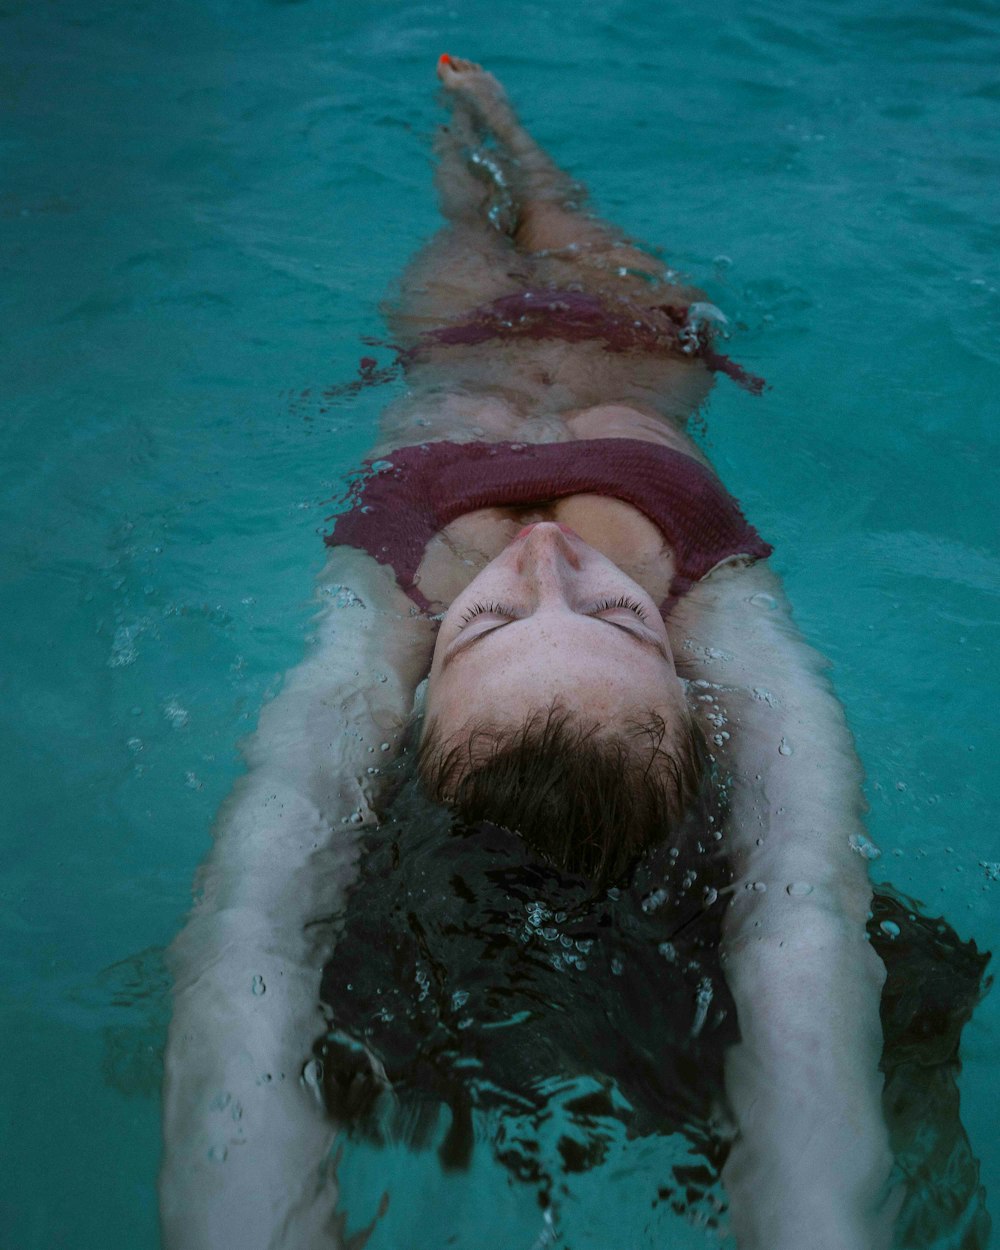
588	802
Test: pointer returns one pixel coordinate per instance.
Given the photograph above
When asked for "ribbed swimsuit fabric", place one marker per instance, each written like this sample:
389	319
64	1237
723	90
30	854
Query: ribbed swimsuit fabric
398	504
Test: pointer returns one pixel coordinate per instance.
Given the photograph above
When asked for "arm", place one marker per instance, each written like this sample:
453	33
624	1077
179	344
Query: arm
246	1142
811	1161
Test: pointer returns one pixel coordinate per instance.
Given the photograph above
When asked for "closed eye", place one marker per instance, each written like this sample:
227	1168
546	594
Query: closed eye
623	601
506	614
602	605
492	609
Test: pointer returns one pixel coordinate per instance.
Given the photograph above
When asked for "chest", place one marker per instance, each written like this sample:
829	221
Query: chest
614	528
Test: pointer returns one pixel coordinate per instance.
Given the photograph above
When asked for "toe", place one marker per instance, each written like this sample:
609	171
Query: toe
451	68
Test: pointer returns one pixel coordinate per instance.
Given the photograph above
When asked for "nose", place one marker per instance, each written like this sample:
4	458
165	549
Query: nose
546	552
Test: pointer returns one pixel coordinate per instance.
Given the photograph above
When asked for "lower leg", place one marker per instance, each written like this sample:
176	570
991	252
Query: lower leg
548	202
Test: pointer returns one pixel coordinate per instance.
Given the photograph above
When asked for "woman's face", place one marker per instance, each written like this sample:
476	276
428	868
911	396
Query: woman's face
551	620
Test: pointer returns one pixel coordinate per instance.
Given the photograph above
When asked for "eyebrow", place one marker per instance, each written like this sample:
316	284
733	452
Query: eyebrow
465	645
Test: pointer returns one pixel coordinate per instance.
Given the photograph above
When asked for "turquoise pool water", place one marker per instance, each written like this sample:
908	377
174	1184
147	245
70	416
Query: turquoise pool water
201	204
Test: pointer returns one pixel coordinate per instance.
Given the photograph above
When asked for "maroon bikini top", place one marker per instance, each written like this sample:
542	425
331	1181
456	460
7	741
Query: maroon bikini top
397	505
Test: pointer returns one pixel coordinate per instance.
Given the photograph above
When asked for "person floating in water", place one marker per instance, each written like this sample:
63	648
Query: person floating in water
613	681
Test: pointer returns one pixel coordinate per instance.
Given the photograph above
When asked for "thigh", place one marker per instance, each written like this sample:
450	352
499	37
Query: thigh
463	266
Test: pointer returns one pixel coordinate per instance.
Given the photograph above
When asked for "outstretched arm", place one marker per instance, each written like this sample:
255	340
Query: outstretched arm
811	1161
246	1142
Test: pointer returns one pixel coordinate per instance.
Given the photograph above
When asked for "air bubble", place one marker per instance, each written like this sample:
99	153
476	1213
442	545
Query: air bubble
890	929
257	986
762	600
864	846
177	716
799	889
343	596
702	999
701	311
312	1074
785	747
654	900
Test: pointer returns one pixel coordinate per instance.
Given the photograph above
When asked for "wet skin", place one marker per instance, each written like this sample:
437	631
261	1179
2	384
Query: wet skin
552	621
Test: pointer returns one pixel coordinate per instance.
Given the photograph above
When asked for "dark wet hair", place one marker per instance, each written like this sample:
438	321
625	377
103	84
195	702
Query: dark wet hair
472	975
588	802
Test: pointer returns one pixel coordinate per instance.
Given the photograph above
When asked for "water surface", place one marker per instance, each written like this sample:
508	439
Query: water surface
202	204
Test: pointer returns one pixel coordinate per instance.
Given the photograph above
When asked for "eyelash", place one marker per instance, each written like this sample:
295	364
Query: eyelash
622	602
477	609
500	609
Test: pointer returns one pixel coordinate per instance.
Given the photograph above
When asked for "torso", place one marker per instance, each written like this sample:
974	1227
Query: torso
440	530
613	527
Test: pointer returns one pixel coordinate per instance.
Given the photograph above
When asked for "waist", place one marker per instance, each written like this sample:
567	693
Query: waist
620	324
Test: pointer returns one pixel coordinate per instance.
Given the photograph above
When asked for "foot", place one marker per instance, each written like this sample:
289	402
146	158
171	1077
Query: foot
479	91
